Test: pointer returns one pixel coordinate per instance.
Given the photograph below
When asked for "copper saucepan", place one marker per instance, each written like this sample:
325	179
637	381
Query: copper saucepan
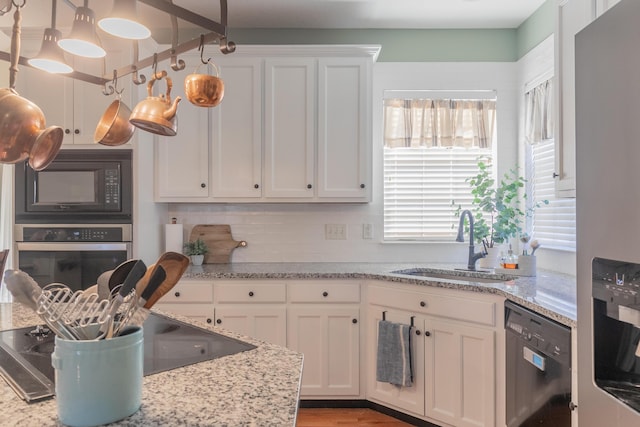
114	127
204	90
22	125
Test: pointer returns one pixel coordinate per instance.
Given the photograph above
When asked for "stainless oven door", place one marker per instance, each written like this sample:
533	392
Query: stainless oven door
76	265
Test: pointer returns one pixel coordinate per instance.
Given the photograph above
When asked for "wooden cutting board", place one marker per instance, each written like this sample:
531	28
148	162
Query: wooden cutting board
219	241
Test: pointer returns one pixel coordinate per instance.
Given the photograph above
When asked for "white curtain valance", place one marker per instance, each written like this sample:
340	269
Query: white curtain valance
439	122
539	113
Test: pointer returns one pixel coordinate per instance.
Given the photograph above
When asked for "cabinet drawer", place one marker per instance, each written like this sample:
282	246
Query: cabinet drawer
189	292
433	303
202	312
250	292
316	292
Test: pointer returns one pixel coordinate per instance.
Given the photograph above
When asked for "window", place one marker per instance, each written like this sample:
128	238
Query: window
553	225
431	147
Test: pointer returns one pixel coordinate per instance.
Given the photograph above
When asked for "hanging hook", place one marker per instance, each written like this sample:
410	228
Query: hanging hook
176	64
156	75
137	79
201	49
18	5
109	89
227	46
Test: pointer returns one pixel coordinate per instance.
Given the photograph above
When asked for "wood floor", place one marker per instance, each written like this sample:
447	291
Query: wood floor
330	417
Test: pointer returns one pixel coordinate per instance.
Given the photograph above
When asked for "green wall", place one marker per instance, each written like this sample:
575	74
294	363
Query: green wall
399	45
538	27
405	45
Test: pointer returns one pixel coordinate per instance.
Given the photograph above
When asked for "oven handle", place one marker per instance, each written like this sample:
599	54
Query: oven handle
88	246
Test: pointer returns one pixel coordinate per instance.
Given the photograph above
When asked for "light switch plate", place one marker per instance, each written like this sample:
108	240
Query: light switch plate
335	231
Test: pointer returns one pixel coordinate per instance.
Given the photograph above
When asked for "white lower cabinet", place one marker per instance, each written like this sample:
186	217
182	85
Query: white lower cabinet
323	323
253	308
454	361
457	348
189	298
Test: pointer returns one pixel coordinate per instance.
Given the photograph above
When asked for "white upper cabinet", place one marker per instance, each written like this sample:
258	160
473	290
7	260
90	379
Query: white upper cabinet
294	126
572	16
74	105
603	5
236	137
289	129
344	108
182	161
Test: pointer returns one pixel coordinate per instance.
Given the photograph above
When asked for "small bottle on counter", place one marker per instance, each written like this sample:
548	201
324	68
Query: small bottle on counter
510	261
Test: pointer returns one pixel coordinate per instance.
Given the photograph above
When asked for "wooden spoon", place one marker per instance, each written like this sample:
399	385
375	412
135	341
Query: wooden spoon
174	265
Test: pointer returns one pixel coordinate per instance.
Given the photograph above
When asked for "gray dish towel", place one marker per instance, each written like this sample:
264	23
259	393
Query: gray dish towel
394	354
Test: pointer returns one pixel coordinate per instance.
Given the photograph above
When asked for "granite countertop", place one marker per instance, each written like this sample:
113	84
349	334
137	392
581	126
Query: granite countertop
259	387
548	293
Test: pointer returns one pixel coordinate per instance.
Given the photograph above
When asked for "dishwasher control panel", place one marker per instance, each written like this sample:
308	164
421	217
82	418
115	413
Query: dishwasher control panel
542	336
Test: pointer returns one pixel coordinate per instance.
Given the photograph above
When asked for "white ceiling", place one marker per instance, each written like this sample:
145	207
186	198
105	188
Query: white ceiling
418	14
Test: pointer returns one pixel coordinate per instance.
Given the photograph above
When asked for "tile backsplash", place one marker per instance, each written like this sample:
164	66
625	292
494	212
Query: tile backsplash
298	233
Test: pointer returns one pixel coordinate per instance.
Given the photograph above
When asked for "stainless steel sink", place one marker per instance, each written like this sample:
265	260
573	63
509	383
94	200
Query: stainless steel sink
464	275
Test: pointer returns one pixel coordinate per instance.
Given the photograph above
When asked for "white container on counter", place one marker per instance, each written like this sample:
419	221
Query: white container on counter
98	382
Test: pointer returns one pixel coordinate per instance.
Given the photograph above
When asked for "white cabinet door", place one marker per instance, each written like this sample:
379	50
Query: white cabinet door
603	5
289	127
200	312
328	336
460	373
264	322
182	161
236	143
572	16
344	87
410	399
74	105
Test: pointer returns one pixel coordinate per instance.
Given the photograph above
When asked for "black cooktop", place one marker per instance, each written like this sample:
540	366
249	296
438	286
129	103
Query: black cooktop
25	353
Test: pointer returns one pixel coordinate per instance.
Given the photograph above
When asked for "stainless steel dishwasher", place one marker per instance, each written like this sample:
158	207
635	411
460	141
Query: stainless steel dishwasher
538	359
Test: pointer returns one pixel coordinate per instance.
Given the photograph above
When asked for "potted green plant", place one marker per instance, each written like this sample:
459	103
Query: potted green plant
496	209
196	250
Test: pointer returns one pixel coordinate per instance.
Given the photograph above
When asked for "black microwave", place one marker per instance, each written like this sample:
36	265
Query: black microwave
78	186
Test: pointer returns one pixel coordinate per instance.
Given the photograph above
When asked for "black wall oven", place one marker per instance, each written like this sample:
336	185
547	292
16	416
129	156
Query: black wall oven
72	254
79	186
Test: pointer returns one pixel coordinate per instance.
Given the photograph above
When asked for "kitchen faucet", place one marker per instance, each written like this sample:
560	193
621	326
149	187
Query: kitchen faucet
473	256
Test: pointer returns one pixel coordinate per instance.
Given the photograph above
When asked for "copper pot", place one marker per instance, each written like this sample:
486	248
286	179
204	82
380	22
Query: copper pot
204	90
22	125
114	127
157	114
23	134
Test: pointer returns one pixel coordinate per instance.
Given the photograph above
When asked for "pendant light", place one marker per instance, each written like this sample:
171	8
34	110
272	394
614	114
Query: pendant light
83	40
123	21
51	58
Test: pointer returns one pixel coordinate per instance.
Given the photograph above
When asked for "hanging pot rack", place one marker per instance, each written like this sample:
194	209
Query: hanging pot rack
217	31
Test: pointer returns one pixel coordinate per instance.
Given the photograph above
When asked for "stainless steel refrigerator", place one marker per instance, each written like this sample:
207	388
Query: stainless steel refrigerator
608	218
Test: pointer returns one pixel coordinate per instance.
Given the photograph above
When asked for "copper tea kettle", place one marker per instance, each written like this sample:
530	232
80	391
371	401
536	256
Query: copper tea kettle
157	114
22	124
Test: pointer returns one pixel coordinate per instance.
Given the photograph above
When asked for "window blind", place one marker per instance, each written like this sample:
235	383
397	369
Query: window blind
553	225
420	186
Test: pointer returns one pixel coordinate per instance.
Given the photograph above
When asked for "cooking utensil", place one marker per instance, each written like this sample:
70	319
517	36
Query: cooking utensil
23	288
157	114
140	311
114	127
204	90
175	265
73	311
22	122
27	291
120	273
137	271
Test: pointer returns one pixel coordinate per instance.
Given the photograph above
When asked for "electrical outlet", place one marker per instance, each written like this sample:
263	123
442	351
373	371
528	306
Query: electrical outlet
367	231
335	231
